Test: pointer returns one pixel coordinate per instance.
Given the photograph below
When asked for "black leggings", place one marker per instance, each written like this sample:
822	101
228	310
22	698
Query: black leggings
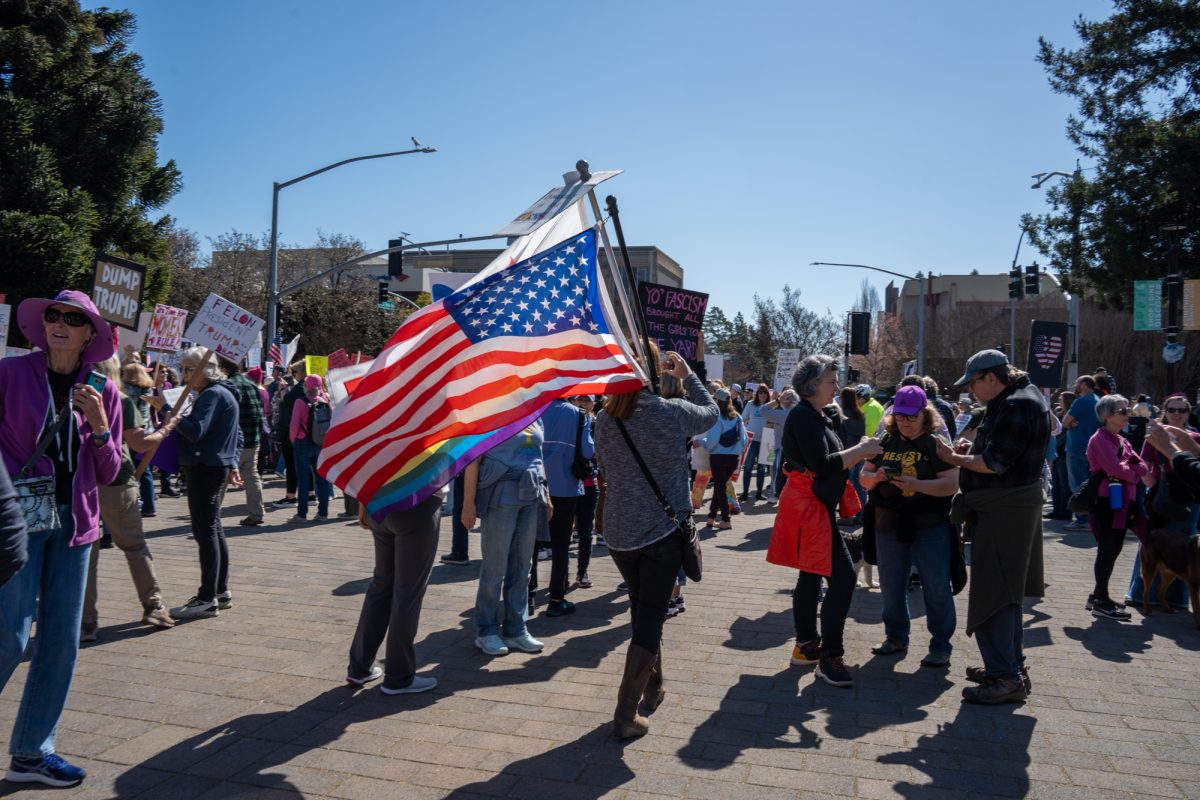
650	572
289	466
836	606
1109	543
723	468
560	545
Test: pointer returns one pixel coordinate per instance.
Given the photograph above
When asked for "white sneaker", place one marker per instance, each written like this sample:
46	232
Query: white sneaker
491	645
296	519
544	554
525	643
196	609
375	674
419	684
225	600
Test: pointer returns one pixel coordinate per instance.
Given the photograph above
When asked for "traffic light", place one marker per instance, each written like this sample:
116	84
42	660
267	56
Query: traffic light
1032	279
852	375
1016	287
395	260
860	332
383	293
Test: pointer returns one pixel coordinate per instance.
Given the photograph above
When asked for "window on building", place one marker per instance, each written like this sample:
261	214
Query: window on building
643	274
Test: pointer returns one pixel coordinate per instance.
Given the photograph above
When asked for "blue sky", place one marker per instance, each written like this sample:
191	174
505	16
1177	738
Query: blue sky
756	137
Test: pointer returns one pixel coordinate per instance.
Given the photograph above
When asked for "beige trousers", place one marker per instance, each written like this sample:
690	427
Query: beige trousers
121	515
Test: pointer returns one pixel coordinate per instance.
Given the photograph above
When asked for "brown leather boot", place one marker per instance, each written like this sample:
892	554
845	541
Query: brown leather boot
627	723
655	693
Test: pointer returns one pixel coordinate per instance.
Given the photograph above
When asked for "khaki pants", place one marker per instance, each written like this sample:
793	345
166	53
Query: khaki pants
248	466
119	510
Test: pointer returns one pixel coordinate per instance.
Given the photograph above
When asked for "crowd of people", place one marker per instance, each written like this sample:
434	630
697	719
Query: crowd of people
87	443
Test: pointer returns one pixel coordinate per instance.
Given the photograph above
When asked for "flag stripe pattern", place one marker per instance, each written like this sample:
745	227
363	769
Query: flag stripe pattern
275	353
471	370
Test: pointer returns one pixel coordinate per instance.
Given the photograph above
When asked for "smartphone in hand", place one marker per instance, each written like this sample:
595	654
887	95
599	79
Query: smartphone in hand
97	381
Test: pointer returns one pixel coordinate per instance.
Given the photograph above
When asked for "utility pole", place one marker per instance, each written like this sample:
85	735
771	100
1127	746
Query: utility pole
1174	291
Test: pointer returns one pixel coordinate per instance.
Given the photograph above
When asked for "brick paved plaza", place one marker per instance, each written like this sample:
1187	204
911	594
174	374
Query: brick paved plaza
253	704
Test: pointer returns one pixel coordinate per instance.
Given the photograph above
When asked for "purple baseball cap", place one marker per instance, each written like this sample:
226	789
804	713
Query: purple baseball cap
909	401
29	318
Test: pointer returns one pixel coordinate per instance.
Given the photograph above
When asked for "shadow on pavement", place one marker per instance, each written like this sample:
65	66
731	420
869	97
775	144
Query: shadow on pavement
993	739
585	769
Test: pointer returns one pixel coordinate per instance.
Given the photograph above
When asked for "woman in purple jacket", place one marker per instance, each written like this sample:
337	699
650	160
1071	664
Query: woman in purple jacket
71	336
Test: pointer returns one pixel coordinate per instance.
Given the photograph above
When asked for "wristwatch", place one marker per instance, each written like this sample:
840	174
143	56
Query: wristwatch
102	438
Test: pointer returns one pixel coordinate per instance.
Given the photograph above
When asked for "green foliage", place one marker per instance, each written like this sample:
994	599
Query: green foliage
79	171
1136	77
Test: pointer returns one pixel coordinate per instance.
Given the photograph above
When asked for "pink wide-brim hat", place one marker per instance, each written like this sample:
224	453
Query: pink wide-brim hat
29	318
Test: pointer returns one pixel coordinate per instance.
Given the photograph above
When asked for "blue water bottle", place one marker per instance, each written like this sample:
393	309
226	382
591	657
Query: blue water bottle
1116	495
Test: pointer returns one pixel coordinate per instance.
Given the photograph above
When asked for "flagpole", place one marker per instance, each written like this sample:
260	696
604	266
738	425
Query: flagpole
615	216
626	306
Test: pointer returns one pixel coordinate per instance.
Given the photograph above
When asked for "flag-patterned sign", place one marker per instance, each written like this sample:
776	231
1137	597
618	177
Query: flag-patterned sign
1047	349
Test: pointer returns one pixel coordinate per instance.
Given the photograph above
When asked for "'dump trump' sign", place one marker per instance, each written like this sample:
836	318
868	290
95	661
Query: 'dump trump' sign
117	289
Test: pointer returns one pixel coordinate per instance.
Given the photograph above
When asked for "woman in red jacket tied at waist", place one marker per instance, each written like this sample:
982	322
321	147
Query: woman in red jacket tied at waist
806	535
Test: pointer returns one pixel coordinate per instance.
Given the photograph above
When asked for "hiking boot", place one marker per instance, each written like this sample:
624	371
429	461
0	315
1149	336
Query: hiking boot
979	675
833	670
806	654
994	691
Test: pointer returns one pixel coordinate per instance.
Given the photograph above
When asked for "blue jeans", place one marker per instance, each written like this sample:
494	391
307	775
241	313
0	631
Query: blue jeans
59	573
146	490
306	468
1078	471
508	536
760	473
930	551
1000	641
1060	493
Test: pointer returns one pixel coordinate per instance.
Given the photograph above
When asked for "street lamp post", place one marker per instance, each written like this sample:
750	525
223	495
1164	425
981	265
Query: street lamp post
920	306
273	294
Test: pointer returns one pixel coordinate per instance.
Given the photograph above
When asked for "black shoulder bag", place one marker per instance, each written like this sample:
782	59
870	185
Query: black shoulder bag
692	560
1087	499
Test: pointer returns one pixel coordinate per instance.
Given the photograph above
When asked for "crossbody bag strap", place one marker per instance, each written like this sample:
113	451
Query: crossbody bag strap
44	442
662	500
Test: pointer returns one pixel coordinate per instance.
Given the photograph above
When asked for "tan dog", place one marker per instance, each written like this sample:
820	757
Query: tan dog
1171	555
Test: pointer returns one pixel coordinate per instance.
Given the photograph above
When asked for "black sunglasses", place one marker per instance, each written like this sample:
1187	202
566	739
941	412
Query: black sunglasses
1177	410
72	318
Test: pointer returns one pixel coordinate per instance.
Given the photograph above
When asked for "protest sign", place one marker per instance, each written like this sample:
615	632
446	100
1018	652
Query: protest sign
338	359
223	327
253	357
316	365
673	317
785	364
117	289
5	316
554	202
166	329
714	367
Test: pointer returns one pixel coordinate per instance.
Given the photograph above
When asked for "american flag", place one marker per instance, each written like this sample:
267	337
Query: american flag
275	353
465	373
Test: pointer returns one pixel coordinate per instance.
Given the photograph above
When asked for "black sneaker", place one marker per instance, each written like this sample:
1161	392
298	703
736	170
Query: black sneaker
833	670
560	608
452	558
1107	609
106	542
1091	601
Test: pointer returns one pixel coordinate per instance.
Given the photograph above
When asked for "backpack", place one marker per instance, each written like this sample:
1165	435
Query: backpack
319	415
731	436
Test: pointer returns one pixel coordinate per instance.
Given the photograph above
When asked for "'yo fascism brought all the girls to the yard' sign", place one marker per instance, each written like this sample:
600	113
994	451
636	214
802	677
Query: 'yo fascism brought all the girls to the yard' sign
674	317
226	328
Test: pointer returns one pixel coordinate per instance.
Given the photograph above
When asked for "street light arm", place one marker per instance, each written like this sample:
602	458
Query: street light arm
861	266
308	175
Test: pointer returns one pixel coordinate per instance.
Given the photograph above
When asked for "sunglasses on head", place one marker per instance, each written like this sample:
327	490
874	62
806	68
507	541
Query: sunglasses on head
73	318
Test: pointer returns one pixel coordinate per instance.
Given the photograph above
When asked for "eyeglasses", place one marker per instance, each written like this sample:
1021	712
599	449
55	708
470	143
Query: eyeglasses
1183	410
187	369
907	417
73	318
1124	412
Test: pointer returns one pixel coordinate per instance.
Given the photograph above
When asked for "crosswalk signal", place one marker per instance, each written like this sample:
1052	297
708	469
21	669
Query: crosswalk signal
1016	287
860	332
383	293
1032	279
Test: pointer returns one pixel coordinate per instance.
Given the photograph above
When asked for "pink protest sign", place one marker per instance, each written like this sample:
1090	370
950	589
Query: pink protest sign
166	329
228	329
